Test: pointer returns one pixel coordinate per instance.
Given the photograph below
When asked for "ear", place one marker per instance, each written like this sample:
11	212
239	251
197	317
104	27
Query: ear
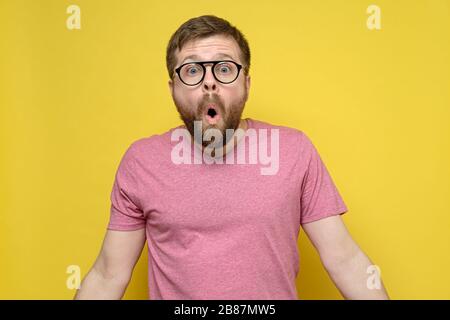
247	82
170	83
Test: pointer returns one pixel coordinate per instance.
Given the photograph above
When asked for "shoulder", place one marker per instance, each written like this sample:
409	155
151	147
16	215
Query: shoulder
150	147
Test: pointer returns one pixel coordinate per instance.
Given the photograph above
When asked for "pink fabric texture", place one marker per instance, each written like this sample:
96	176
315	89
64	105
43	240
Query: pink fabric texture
222	231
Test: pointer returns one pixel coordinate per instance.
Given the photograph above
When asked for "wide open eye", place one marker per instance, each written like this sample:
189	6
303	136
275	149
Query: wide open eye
224	68
226	71
191	70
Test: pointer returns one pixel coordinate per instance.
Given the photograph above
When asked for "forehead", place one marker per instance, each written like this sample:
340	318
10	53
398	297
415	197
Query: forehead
210	48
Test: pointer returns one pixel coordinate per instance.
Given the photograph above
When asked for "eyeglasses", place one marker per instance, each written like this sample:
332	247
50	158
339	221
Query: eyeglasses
224	71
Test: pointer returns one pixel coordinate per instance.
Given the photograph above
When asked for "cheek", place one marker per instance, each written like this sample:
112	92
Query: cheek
234	95
184	97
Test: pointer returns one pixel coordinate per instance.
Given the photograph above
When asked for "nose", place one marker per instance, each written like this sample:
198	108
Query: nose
209	82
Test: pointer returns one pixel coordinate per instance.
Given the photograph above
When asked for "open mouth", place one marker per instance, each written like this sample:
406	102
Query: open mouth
212	112
212	115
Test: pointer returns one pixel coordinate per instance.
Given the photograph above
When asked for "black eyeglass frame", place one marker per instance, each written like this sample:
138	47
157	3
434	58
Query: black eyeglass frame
202	63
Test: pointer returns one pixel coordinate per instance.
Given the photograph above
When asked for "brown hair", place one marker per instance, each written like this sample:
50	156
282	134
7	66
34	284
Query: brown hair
202	27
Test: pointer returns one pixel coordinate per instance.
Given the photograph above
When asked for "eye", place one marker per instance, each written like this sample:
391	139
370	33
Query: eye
224	68
191	70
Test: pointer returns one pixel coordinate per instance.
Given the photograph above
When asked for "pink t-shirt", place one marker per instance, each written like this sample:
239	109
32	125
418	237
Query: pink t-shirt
222	231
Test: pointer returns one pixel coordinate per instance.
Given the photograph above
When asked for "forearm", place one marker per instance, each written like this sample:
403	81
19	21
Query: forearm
351	277
96	286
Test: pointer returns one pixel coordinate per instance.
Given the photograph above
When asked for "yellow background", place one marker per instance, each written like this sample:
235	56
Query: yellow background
374	102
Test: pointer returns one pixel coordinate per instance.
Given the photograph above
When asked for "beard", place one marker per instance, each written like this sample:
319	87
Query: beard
229	118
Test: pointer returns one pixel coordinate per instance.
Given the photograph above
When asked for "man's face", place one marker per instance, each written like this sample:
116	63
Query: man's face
194	102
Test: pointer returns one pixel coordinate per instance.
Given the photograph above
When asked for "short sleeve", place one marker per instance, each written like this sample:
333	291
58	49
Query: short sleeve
125	210
319	195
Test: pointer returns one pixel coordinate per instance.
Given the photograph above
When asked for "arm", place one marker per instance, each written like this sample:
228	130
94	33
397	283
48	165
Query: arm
344	261
111	272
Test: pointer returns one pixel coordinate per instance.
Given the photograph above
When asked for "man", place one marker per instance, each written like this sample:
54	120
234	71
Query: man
217	229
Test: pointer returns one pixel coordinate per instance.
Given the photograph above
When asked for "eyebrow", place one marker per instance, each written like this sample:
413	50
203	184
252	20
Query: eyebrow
196	57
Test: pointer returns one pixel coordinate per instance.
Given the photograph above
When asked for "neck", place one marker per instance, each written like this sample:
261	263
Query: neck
243	124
